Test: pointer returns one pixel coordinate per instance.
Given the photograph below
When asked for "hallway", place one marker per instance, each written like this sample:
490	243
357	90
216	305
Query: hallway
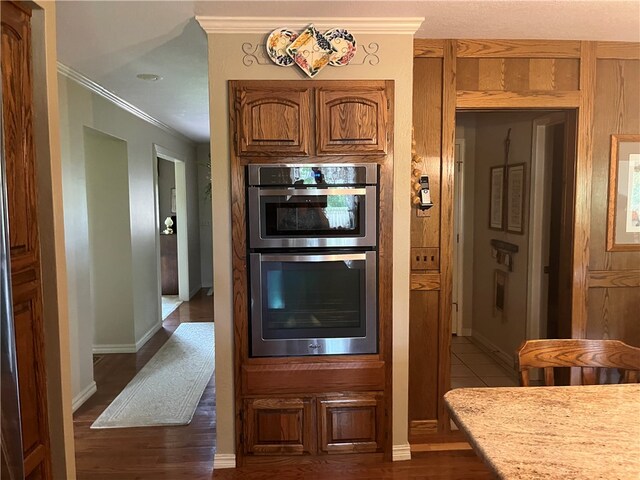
175	453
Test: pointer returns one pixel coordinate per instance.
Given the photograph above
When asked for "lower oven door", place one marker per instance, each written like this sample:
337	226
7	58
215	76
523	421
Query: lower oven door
323	304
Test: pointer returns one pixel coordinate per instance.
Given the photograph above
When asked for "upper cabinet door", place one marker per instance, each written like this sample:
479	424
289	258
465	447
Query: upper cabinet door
273	120
351	121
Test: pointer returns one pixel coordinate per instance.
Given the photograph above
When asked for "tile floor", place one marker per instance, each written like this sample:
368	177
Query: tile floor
472	367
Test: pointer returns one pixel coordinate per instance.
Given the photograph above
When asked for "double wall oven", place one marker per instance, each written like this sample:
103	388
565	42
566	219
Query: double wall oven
313	237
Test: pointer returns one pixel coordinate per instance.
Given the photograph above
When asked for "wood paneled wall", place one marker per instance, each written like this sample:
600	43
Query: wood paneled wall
600	81
614	277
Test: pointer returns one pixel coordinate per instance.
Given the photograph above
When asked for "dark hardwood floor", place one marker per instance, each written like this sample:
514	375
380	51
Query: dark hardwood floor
177	452
186	452
457	465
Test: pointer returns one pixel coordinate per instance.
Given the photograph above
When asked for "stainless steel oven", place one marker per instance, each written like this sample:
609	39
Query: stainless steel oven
312	238
313	303
312	206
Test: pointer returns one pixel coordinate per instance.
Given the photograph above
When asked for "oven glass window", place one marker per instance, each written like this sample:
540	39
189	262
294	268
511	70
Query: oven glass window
313	299
312	215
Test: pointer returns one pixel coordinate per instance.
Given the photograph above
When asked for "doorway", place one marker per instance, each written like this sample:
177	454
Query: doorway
171	228
512	200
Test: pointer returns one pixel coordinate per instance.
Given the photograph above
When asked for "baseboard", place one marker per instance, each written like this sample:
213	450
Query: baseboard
145	338
193	292
440	447
224	460
83	396
505	359
400	453
114	348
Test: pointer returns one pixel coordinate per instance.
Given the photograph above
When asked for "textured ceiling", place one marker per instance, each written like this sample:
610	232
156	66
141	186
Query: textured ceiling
111	42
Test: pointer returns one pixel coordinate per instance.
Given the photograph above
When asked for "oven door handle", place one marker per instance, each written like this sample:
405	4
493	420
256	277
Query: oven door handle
311	258
310	192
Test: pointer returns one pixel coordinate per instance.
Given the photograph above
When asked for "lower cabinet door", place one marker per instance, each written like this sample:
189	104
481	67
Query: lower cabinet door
351	423
284	426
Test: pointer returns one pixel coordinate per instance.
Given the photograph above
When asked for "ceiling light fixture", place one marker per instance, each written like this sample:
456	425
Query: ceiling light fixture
149	77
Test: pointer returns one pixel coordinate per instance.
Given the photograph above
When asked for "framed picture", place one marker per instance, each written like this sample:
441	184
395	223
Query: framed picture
623	214
496	198
173	200
499	292
516	188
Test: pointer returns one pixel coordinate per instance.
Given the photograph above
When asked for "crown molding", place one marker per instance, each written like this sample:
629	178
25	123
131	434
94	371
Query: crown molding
373	25
116	100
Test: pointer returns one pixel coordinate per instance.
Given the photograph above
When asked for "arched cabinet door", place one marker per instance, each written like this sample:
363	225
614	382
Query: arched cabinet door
351	121
273	120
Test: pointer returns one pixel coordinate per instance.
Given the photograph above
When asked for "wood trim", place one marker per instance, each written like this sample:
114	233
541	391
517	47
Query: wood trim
300	378
427	47
446	226
422	427
239	266
614	278
440	447
518	99
518	48
425	281
582	217
385	269
618	50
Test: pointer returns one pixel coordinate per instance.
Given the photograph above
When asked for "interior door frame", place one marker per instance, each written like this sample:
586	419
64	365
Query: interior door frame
457	295
182	226
537	222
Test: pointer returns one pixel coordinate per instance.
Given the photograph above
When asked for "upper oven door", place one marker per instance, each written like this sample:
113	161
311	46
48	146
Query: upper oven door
312	217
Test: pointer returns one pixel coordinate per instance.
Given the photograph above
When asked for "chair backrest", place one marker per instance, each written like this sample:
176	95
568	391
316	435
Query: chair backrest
587	354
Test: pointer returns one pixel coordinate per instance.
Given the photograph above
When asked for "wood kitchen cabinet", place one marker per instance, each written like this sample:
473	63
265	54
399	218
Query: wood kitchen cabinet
24	240
314	408
273	120
351	423
283	426
286	119
351	121
169	264
325	424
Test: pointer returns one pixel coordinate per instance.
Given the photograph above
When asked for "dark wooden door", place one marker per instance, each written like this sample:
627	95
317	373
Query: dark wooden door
282	426
23	237
351	120
351	423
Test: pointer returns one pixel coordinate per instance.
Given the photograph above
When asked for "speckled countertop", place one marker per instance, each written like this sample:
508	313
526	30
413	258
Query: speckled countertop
581	432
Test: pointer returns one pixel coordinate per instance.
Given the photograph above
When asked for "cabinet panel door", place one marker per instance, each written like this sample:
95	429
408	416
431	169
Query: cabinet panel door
351	121
351	424
279	426
273	120
23	238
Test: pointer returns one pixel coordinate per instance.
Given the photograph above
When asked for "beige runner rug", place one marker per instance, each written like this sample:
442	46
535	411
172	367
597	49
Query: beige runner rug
168	388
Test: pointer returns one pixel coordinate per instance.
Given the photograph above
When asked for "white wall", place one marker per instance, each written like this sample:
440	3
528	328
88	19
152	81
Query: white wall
166	181
107	187
206	230
79	107
505	330
395	55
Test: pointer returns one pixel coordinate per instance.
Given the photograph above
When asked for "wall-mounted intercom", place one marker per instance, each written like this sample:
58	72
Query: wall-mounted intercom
425	196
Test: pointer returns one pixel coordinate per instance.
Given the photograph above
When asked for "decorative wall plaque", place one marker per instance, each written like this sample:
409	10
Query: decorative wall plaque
310	50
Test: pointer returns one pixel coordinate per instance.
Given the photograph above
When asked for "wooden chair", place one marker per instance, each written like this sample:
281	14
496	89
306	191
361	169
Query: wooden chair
587	354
